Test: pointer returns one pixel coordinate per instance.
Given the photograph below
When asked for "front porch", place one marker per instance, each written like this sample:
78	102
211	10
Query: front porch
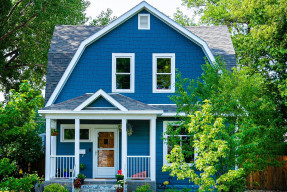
105	150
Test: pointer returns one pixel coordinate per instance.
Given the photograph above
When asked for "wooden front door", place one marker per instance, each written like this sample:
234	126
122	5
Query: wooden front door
105	154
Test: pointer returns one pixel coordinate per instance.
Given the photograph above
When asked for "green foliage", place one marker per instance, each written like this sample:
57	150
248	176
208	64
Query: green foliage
239	128
144	188
259	35
104	18
81	176
9	183
19	140
55	188
182	19
26	29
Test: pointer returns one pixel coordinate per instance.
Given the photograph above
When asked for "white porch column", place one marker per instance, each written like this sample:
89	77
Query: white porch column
48	150
53	150
77	146
124	147
152	147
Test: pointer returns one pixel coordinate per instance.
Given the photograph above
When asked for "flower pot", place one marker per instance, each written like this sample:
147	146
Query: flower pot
55	134
120	190
82	181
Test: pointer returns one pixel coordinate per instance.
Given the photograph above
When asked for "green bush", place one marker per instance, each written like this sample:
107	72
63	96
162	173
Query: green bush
55	188
144	188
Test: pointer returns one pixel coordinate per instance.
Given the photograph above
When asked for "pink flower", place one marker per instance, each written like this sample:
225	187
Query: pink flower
119	172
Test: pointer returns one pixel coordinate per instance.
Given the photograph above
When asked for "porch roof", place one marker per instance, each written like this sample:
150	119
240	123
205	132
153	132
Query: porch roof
127	102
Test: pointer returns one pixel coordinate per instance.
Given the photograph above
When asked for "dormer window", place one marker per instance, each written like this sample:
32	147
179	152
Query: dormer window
144	21
123	70
163	72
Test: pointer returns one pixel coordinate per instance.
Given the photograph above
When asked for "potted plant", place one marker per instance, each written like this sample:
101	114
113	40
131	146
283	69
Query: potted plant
77	184
82	166
120	175
54	132
82	177
119	186
66	173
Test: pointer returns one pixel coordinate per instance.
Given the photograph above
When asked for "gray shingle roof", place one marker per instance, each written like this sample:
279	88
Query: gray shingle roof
128	103
67	38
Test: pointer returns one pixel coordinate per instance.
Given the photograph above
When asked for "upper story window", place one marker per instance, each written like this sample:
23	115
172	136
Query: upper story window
123	72
174	134
144	21
163	72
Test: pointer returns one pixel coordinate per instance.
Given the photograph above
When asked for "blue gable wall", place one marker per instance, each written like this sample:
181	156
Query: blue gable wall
93	70
100	102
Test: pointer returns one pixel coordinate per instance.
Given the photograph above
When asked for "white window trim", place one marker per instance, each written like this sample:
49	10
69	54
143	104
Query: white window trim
165	147
132	72
72	126
148	18
154	72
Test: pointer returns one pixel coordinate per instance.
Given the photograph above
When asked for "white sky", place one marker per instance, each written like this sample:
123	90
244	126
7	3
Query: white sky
119	7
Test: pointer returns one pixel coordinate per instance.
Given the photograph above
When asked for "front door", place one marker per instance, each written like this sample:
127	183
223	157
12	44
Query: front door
105	153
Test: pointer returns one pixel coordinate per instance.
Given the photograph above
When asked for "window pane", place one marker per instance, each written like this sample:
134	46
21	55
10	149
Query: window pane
187	149
144	21
176	130
106	140
84	134
123	65
163	81
163	65
106	158
69	134
123	81
171	142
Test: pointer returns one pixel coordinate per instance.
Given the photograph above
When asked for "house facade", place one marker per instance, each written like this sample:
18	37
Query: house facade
107	92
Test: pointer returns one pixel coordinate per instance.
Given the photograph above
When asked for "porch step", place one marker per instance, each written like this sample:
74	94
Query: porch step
98	187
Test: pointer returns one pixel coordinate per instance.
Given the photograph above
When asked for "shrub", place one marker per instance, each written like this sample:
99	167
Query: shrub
144	188
54	187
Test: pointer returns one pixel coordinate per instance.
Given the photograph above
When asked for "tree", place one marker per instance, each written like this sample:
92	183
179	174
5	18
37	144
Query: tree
25	35
250	138
19	140
182	19
104	18
259	31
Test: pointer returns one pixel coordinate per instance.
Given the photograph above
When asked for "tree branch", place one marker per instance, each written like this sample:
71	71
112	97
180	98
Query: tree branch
13	9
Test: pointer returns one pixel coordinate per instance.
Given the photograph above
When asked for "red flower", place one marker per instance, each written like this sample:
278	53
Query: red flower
119	172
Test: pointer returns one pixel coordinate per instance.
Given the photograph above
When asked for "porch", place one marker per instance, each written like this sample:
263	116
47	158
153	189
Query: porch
107	146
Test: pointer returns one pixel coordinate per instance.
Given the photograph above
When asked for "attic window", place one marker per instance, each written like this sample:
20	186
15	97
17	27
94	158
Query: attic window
144	21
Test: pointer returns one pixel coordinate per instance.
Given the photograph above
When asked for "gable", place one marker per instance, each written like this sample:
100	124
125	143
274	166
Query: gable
100	102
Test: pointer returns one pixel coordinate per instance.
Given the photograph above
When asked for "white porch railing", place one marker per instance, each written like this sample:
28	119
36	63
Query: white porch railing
138	167
62	166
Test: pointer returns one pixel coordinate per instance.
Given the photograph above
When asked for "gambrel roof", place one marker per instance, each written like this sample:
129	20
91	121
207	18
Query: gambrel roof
68	43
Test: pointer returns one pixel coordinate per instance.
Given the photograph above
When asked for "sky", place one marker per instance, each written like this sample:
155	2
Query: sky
119	7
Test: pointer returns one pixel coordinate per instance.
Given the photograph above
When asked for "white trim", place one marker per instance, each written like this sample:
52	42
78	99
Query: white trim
124	147
102	116
154	72
148	20
48	149
105	96
115	24
72	126
100	112
131	56
165	148
152	149
77	147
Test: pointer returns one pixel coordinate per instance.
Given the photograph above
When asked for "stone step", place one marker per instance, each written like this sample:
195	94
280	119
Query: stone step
98	187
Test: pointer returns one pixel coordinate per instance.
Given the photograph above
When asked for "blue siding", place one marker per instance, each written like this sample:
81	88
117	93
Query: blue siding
100	102
138	142
93	70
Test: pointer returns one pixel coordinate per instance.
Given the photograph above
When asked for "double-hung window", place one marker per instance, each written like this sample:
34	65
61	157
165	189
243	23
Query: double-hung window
68	133
123	72
174	134
163	72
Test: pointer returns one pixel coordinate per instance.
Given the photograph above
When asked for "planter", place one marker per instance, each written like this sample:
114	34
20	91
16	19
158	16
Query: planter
82	181
55	134
118	179
120	190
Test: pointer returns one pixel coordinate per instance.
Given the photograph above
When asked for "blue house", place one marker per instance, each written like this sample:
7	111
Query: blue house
108	88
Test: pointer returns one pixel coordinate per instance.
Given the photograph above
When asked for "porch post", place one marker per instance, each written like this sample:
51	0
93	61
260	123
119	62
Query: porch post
53	150
48	150
124	147
152	147
77	146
